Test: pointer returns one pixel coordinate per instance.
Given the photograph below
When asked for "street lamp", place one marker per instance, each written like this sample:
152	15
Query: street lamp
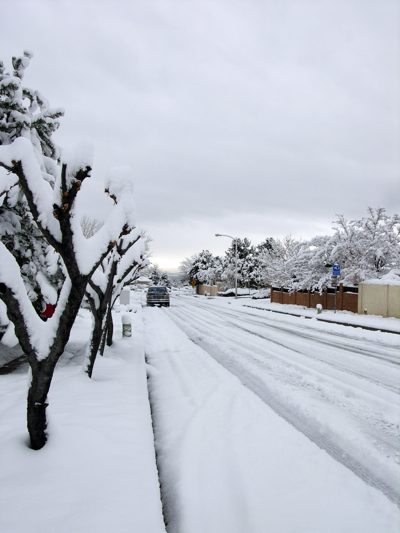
234	239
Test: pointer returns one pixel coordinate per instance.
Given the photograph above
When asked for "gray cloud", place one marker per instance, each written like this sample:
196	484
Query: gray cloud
264	116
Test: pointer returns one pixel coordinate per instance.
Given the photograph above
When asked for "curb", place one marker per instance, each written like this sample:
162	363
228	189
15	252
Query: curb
369	328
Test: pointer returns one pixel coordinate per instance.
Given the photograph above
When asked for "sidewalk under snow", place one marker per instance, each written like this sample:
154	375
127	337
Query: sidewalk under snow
97	471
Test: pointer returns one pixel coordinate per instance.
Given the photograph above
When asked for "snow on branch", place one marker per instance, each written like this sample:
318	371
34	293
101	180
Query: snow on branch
7	181
19	158
118	222
34	333
132	256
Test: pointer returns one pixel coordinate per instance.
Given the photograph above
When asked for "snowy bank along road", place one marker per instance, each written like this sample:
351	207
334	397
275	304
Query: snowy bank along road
338	386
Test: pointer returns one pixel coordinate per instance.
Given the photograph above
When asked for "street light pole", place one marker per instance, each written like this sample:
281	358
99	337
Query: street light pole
236	267
234	239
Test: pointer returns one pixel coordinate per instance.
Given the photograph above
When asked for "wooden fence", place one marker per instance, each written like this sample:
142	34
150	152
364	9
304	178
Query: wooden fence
346	298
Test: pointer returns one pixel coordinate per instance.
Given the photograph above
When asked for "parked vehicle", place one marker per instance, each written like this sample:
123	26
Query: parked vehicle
157	296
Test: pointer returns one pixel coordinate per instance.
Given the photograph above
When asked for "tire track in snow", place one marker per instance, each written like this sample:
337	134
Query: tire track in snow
378	428
307	361
359	346
335	365
291	344
301	420
295	377
198	402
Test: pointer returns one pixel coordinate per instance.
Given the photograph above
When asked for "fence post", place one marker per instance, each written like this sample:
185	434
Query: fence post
341	296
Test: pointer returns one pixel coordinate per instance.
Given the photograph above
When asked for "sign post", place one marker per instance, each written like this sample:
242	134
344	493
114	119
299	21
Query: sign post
334	280
336	270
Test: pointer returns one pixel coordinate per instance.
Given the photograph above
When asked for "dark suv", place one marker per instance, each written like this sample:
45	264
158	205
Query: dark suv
158	296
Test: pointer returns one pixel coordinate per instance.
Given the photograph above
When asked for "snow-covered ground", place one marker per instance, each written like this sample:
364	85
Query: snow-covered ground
227	461
262	422
97	472
372	321
338	385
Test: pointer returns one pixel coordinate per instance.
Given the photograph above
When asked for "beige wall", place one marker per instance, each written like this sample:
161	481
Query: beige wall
394	301
381	300
206	289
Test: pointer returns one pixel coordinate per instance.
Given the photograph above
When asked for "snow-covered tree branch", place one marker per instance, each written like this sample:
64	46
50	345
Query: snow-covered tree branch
365	248
52	196
125	261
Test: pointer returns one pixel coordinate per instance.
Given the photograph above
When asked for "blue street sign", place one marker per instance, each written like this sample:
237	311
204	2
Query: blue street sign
336	270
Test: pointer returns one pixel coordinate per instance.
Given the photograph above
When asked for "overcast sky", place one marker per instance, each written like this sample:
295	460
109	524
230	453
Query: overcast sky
253	118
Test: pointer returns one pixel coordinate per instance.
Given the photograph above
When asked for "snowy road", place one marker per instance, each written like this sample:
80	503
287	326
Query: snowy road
339	386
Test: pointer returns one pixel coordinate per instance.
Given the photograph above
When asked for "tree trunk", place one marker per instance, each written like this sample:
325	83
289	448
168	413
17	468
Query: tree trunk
94	343
43	369
110	328
106	331
103	340
99	314
42	373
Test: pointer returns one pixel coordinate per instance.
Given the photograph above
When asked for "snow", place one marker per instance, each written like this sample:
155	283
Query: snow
339	385
261	294
40	333
97	472
229	457
119	181
7	180
346	317
48	291
22	150
90	250
9	338
134	253
76	158
391	278
126	319
91	200
241	291
143	279
227	462
3	313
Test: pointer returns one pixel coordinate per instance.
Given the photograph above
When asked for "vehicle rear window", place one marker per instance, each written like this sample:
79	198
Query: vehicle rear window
159	290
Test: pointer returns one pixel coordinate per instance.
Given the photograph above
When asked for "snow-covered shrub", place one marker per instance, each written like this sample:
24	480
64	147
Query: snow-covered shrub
261	294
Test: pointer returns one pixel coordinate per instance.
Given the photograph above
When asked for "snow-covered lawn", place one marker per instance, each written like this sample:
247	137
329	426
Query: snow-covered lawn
97	472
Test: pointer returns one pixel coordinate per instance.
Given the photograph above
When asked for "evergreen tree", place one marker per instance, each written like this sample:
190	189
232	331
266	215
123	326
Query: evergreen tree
25	113
203	268
246	262
155	275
